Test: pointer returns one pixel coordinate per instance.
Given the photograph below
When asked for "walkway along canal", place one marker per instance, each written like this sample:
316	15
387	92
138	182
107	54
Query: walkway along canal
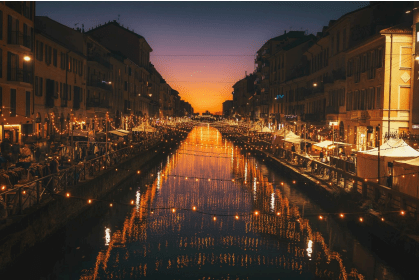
43	206
208	211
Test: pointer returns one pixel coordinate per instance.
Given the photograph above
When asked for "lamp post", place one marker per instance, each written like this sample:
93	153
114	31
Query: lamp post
378	138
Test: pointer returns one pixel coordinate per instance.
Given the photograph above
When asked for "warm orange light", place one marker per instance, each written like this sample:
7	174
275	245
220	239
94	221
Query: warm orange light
282	183
256	213
232	180
138	172
89	201
27	58
197	179
321	217
237	217
366	180
209	180
173	210
278	213
293	182
214	218
24	192
382	219
341	215
186	178
132	202
67	194
116	169
111	205
361	220
3	188
402	212
194	208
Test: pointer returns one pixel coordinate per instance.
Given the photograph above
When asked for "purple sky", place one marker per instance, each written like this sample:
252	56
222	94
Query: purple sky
214	29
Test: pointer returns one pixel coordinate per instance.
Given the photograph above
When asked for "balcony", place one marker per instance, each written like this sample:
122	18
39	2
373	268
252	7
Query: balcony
266	52
20	75
18	38
100	60
264	77
99	84
266	64
361	116
330	110
97	103
313	117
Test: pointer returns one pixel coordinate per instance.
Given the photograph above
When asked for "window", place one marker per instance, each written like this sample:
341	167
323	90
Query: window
1	25
69	92
13	102
12	30
69	62
349	101
379	59
54	57
344	39
28	104
337	41
12	66
38	86
62	61
39	52
129	71
61	91
74	66
364	63
56	90
1	63
349	66
125	85
342	97
48	54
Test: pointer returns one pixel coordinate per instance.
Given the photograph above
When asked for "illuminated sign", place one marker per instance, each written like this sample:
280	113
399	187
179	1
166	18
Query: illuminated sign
415	126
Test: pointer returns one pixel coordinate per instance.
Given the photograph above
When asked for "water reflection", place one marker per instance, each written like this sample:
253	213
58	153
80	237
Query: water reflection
186	225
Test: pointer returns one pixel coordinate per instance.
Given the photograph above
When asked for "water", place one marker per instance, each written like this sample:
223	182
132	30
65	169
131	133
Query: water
205	212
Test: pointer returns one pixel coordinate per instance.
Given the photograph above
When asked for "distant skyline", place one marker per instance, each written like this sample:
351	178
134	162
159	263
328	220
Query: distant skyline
202	48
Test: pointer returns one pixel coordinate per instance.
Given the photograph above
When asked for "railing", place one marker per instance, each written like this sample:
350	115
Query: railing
99	84
99	60
18	38
19	75
342	174
332	110
97	103
23	196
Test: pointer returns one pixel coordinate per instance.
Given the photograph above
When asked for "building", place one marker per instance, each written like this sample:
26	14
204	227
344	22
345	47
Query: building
243	97
16	69
227	108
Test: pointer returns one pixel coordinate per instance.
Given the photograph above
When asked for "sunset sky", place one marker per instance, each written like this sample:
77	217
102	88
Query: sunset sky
202	48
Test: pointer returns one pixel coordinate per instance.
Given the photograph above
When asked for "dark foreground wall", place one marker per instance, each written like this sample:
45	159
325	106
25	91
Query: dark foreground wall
54	213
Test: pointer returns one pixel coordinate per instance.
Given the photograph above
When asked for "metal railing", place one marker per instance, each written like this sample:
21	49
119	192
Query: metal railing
19	75
23	196
18	38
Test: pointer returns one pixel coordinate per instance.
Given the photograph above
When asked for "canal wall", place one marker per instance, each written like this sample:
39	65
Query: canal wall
41	221
334	199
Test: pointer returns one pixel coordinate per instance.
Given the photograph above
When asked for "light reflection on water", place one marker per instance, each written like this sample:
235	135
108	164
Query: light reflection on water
157	243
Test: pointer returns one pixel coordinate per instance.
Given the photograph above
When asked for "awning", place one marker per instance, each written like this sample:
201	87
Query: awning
118	133
123	131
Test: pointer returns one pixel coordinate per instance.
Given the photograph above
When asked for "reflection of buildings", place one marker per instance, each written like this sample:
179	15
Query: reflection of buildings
184	239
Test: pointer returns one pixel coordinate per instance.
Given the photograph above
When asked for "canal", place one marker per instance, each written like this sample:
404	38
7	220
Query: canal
207	211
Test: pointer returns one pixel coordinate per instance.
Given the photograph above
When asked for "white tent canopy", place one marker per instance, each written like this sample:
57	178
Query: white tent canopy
409	184
393	149
266	129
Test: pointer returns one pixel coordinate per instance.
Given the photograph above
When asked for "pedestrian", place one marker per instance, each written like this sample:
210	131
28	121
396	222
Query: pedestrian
15	152
37	153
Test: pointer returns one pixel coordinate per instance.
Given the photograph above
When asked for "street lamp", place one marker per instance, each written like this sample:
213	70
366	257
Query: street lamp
314	84
27	58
